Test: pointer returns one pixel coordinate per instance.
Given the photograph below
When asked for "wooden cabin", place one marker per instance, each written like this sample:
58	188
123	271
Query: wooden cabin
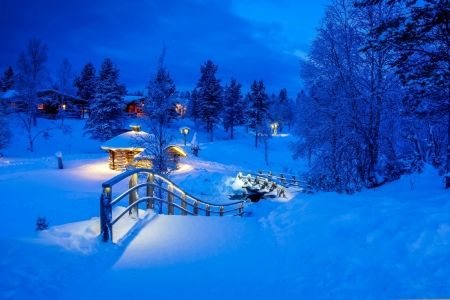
125	149
51	102
134	105
144	159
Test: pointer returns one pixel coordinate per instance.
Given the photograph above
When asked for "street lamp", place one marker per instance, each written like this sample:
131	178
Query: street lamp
184	131
274	128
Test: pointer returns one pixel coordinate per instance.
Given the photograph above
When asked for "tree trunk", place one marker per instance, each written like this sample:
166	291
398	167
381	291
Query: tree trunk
266	151
231	132
256	139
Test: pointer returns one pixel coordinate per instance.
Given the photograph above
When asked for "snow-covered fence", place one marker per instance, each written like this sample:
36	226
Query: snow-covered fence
284	180
187	204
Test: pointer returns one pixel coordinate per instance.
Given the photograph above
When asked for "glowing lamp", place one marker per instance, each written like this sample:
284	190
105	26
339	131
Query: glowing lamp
274	128
135	127
184	131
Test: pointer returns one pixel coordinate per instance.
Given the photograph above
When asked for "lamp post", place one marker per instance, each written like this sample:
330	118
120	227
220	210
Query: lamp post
274	128
184	131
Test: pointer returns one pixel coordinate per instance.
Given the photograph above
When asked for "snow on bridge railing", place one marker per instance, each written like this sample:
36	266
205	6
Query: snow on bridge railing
188	204
284	180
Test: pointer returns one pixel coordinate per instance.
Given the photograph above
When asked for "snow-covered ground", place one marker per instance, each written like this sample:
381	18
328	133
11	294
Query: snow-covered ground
389	242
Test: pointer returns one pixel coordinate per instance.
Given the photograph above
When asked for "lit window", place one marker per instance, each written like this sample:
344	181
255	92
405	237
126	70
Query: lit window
64	106
41	106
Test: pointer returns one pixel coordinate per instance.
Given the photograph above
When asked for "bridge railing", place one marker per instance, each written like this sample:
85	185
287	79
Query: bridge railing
284	179
187	204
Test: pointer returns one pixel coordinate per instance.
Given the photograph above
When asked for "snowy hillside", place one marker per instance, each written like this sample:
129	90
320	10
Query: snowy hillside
388	242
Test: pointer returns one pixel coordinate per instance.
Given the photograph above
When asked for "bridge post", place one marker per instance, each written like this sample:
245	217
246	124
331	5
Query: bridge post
208	212
241	208
183	204
106	214
150	191
282	178
221	211
134	212
196	207
170	200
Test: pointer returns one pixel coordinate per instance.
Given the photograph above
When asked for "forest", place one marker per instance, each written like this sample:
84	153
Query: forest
375	102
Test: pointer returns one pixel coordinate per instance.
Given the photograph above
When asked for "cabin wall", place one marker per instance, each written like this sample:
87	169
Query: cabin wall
119	159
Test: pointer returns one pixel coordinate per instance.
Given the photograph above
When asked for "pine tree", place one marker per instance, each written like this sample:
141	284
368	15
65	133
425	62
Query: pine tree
233	106
162	95
86	83
258	106
107	106
279	109
210	97
194	107
8	80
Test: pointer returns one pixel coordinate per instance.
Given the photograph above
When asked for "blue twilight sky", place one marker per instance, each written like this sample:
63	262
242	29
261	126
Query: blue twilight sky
247	39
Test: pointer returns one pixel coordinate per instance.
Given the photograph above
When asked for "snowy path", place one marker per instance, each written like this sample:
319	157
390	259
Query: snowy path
194	258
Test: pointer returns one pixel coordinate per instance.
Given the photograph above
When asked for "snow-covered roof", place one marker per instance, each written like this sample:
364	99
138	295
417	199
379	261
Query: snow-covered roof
178	150
8	94
126	141
146	155
129	99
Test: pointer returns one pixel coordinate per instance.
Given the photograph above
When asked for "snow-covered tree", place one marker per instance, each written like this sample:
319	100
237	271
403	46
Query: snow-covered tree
156	144
209	97
7	81
106	119
233	106
161	95
347	122
193	107
64	84
86	83
280	109
5	132
32	77
419	34
264	134
258	107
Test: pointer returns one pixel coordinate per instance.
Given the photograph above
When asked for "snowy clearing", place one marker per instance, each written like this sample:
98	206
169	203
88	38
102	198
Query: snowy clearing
389	242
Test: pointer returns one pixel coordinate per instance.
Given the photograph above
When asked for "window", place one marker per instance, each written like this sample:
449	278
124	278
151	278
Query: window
41	106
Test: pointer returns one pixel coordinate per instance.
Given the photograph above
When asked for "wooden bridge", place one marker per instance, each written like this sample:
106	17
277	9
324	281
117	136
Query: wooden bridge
282	180
176	199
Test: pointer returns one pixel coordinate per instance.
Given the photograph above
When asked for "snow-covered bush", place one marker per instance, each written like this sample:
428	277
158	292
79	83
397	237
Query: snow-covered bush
41	223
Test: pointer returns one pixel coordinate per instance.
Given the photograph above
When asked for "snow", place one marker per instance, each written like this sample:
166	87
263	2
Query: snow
388	242
127	140
129	99
8	94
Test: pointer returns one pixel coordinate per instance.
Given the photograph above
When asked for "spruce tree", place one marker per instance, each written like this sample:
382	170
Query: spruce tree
210	97
233	106
279	109
86	83
8	80
107	106
258	106
193	108
162	95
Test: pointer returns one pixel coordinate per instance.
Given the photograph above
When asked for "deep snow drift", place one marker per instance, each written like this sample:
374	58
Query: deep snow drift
389	242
